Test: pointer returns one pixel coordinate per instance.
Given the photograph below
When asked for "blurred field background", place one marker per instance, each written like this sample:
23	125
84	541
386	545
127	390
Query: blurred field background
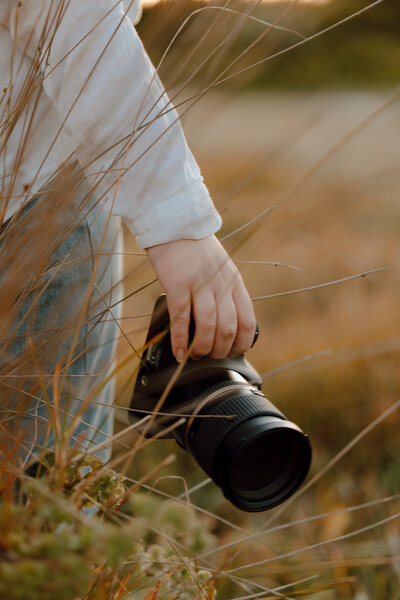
312	133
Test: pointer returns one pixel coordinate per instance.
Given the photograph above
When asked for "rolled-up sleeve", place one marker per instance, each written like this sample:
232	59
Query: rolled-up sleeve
113	107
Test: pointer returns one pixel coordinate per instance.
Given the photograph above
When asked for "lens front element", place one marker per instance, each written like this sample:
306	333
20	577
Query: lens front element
255	454
262	462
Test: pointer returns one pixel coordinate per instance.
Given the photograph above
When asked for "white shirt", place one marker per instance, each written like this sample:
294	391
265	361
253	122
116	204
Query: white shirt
95	97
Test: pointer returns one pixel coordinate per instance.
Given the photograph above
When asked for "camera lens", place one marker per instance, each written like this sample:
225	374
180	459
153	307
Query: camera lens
248	447
260	461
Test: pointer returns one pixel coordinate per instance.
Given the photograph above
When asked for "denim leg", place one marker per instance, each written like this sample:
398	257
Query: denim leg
59	350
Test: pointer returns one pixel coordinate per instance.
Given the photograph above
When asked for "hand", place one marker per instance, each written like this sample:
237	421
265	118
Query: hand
199	277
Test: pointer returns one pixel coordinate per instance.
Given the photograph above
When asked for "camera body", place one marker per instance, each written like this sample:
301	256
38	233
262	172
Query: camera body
240	439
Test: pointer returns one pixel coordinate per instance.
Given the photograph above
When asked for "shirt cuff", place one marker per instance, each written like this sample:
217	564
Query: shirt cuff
188	214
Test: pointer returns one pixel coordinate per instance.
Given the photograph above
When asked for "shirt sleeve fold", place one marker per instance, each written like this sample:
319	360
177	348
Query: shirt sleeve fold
112	105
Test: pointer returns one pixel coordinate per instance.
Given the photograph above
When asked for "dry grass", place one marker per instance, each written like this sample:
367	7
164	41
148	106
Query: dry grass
329	358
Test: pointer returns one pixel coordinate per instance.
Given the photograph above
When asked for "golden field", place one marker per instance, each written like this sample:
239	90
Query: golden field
327	165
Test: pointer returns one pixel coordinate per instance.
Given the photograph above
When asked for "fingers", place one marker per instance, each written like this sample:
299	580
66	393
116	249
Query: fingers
226	329
246	321
205	318
224	325
179	313
200	279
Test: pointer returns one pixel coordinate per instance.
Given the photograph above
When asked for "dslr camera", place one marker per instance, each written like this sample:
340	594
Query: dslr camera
238	437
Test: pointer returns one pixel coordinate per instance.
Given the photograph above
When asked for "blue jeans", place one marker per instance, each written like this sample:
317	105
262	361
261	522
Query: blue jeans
60	293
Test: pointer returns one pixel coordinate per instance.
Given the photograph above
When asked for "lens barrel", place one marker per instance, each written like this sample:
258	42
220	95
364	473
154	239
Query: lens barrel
246	445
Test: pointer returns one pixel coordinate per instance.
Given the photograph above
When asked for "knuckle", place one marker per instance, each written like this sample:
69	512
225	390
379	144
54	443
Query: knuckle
177	292
248	325
227	332
181	319
207	326
236	275
173	290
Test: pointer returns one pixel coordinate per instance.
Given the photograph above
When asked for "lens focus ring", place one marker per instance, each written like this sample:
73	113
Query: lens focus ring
208	433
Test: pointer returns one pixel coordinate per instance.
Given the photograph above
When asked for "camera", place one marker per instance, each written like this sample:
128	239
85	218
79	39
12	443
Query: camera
239	438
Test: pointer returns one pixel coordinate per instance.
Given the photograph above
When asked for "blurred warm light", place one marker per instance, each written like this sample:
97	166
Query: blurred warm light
152	2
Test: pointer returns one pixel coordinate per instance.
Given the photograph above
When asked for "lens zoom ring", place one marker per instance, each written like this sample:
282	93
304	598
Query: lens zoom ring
209	433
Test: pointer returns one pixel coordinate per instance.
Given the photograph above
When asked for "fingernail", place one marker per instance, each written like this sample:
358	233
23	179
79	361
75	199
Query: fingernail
180	355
